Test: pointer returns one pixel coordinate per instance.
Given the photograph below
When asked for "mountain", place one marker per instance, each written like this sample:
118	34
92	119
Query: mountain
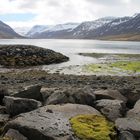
7	32
22	30
86	27
42	31
108	28
127	28
68	30
36	30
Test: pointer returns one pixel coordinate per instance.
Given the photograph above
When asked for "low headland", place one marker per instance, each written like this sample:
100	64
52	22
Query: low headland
36	105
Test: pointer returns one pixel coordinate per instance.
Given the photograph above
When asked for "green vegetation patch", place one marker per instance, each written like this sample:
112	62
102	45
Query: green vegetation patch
126	65
93	127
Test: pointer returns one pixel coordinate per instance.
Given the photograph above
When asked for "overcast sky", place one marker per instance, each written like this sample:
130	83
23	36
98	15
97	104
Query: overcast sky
18	13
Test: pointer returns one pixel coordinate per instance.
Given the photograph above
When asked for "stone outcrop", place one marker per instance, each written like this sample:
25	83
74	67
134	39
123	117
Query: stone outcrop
49	122
29	92
109	94
27	55
112	109
15	106
72	95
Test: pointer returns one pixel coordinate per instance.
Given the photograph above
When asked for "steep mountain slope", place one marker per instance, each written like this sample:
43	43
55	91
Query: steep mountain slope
86	27
126	27
7	32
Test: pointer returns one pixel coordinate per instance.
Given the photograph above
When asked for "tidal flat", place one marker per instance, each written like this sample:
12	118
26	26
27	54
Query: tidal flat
113	64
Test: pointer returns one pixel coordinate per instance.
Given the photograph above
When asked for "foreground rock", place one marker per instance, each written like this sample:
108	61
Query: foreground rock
129	124
14	135
126	135
30	92
135	112
72	95
3	92
4	118
109	94
133	96
15	106
50	122
112	109
27	55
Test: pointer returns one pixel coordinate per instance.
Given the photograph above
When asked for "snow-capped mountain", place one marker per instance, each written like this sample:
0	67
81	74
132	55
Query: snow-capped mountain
85	27
41	29
7	32
60	27
36	30
22	30
122	26
103	28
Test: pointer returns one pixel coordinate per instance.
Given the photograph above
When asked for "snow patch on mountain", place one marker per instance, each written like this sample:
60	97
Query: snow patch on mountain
22	30
60	27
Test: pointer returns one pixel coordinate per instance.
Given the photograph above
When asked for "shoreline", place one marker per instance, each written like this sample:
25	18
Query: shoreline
31	77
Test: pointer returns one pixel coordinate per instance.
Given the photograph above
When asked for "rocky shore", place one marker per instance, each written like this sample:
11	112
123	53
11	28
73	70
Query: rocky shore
36	105
28	55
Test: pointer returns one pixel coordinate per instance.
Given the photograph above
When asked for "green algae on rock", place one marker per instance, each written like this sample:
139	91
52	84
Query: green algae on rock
92	127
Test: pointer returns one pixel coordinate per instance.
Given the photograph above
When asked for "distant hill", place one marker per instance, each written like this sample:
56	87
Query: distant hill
7	32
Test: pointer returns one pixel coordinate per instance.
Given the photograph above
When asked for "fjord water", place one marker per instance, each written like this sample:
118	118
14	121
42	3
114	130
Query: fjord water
71	48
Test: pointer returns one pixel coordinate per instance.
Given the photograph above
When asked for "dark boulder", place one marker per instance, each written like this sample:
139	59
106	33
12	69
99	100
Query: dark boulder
30	92
132	96
135	112
3	92
15	106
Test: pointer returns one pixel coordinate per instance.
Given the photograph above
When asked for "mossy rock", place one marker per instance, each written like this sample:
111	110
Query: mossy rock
93	127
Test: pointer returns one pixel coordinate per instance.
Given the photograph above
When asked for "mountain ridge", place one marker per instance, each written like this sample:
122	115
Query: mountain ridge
107	28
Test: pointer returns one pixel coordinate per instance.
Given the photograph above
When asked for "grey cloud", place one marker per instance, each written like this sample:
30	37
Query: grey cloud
28	4
53	3
106	2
